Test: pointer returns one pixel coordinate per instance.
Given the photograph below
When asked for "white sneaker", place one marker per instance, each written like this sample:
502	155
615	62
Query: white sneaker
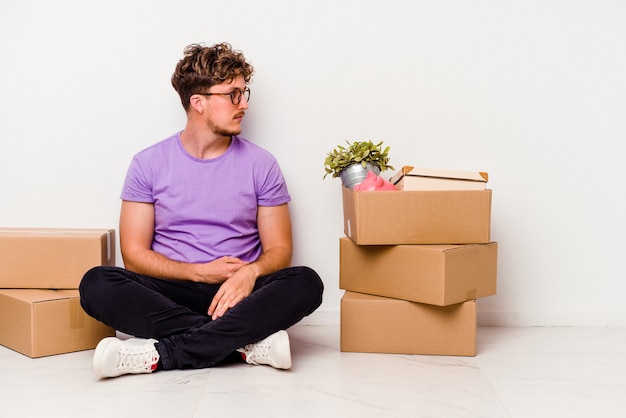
273	350
115	357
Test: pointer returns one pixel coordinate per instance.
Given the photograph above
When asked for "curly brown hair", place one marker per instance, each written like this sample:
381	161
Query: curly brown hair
203	67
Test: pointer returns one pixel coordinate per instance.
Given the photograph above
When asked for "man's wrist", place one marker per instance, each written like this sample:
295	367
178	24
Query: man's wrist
254	270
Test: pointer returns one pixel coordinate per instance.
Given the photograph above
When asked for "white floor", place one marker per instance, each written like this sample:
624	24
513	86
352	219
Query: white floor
518	372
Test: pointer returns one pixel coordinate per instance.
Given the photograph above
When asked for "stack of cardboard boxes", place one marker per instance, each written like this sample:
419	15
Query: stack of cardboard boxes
413	263
40	271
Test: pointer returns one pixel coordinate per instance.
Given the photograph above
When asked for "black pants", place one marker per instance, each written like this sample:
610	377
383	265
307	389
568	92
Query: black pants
174	312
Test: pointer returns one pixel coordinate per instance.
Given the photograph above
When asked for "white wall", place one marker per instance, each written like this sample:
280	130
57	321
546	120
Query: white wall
531	91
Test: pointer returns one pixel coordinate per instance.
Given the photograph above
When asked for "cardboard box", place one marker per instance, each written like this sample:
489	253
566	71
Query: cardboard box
39	323
373	324
52	258
434	274
417	217
411	178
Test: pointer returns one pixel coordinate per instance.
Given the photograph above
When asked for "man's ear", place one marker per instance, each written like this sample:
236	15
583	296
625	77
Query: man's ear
196	103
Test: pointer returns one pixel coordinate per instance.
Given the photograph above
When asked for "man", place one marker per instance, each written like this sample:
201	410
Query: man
205	235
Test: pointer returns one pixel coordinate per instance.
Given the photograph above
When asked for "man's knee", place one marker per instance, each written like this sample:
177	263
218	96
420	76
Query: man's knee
310	284
90	279
313	279
93	284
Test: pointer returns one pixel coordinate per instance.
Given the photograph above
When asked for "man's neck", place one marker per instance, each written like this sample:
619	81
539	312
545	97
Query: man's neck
204	145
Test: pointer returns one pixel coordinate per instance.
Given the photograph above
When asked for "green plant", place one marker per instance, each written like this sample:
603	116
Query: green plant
362	152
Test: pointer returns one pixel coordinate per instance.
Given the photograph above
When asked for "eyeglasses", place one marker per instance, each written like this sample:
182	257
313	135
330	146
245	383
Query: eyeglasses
235	95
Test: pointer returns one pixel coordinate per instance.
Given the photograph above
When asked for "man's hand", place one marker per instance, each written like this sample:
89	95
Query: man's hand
219	270
232	291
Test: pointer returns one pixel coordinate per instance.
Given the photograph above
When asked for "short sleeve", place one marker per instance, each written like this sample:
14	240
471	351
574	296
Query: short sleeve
137	185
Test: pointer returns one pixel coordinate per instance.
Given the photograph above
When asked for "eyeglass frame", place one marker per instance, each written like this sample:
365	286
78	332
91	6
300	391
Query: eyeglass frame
245	92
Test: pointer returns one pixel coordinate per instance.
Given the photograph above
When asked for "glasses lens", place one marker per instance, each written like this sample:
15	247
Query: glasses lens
235	95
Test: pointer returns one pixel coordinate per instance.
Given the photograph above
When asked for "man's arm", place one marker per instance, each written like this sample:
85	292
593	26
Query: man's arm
136	233
274	224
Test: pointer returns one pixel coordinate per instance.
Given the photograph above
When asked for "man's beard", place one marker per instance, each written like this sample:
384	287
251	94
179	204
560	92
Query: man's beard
224	131
227	132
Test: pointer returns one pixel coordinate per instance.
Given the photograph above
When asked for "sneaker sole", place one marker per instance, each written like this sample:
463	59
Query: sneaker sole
98	355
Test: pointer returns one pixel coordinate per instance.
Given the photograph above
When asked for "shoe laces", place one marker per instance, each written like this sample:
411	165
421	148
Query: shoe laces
258	352
137	358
